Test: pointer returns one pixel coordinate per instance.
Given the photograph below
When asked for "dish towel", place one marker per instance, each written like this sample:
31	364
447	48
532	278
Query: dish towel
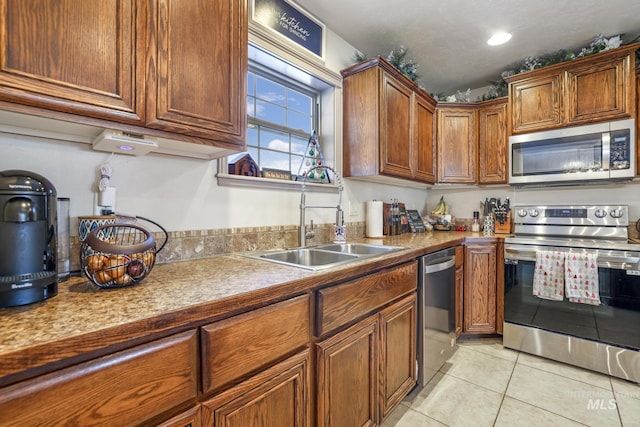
548	276
581	278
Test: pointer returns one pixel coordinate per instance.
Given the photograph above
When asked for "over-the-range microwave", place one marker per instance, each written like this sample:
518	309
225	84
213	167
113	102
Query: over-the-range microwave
595	152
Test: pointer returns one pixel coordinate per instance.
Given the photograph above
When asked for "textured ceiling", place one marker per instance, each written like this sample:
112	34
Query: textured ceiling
447	38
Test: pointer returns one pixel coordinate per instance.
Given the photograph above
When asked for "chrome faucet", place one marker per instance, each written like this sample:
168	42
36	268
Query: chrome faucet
303	233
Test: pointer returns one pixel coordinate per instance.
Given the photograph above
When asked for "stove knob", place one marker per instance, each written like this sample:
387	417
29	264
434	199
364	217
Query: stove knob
522	212
601	213
616	213
533	213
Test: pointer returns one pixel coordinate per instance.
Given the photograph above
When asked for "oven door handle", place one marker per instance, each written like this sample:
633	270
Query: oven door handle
618	260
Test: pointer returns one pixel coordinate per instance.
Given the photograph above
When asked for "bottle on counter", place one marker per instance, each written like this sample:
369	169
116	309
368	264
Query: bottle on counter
475	226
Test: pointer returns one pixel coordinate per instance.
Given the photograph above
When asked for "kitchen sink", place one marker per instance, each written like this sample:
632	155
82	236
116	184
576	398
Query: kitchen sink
322	256
358	248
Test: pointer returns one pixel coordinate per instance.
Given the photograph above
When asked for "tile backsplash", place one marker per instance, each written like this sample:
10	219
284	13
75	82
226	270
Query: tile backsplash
195	244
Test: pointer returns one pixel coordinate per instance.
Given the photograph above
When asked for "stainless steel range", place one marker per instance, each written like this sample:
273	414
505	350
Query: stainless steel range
550	311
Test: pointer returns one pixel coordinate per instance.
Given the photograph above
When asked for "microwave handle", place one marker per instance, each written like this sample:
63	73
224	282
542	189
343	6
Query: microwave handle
606	150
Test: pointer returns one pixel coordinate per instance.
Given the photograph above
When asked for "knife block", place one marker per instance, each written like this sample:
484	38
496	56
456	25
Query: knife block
504	228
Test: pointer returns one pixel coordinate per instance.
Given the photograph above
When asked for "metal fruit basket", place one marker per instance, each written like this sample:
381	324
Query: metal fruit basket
118	255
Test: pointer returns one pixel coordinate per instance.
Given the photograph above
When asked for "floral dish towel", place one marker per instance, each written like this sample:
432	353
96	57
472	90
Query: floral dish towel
548	277
581	278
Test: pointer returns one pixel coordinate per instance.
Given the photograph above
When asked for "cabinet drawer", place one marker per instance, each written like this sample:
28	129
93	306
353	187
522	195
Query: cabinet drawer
341	304
238	346
127	388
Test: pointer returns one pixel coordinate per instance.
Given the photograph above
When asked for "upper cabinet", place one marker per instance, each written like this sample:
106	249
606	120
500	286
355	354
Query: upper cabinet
595	88
388	124
175	69
493	142
78	57
197	82
456	137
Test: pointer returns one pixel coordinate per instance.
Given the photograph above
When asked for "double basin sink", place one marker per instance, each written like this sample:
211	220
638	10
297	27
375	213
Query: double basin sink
322	256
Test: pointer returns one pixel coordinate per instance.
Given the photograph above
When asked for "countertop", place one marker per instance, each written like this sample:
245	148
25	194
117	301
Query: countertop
83	319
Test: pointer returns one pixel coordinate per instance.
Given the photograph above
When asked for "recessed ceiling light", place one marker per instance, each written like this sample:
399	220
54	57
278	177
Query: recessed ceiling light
499	38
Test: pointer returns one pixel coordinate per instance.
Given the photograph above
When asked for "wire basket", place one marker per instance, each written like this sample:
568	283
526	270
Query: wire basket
118	255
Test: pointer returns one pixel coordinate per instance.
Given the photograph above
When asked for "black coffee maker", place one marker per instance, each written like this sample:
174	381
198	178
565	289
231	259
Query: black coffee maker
28	238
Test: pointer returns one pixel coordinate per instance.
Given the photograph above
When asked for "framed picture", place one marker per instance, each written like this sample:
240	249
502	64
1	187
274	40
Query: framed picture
291	22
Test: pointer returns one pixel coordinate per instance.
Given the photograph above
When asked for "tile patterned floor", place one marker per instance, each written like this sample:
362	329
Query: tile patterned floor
485	384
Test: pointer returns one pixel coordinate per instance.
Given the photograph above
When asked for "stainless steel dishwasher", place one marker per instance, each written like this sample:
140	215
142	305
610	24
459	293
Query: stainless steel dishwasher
436	312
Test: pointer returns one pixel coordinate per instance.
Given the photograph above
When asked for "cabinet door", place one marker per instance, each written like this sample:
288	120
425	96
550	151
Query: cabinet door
197	81
536	103
493	144
190	418
397	352
395	138
602	91
75	56
459	300
131	387
425	147
347	375
278	396
456	141
479	291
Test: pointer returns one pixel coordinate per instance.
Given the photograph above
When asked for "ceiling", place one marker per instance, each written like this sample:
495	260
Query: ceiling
447	38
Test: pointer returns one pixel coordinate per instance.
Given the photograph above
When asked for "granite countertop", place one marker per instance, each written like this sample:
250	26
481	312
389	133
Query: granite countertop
83	318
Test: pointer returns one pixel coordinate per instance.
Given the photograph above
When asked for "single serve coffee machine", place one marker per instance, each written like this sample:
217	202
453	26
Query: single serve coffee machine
28	238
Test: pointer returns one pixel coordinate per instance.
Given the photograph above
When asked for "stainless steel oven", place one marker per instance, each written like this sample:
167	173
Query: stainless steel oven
604	337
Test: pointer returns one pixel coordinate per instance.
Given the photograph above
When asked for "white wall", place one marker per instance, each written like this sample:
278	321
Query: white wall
180	193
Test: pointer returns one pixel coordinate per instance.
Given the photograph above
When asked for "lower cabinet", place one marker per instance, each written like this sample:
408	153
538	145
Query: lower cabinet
277	396
364	371
347	372
459	288
135	386
480	299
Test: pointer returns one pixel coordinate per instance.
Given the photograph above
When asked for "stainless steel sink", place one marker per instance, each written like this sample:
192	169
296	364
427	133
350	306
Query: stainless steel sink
321	256
358	248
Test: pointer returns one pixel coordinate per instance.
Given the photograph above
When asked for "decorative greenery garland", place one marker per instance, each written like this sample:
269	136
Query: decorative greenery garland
408	66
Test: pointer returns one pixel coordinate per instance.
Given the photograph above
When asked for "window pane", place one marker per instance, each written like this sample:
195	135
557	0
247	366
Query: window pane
252	136
296	164
299	121
273	140
251	110
298	145
299	102
251	81
270	113
274	160
270	91
255	155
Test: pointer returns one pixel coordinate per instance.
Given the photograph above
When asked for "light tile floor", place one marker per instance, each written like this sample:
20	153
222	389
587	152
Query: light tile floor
485	384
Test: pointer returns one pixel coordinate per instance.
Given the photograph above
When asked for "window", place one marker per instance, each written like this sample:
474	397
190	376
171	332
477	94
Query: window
281	116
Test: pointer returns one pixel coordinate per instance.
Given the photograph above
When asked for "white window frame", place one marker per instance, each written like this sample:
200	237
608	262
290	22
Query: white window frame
297	65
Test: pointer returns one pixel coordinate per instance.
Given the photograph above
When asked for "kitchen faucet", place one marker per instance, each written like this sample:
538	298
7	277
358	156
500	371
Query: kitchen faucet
303	233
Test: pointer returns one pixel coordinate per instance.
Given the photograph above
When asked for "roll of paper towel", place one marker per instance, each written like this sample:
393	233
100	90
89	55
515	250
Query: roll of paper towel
374	218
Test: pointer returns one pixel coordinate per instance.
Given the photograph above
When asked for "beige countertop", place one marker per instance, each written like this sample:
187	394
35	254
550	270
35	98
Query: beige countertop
82	319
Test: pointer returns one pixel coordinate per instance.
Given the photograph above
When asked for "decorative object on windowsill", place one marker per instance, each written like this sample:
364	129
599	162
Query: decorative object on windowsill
243	164
397	58
276	174
313	163
499	87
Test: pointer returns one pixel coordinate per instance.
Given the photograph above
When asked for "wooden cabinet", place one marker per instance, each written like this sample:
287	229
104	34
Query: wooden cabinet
347	373
397	353
79	57
365	370
242	345
130	387
459	288
388	124
638	120
197	85
174	69
277	396
456	138
599	87
493	142
480	298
